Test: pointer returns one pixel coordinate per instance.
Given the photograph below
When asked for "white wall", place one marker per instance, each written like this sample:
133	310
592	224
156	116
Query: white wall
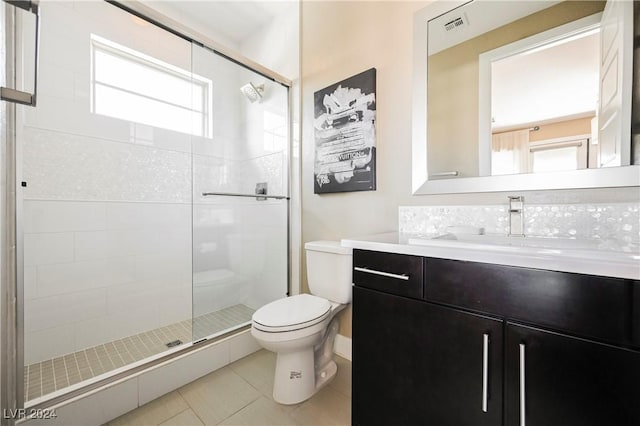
276	46
341	39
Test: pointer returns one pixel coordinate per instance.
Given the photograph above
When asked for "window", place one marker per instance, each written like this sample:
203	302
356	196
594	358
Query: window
275	131
132	86
558	155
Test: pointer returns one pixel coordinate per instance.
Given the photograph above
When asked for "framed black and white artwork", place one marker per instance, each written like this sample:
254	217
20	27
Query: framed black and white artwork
345	135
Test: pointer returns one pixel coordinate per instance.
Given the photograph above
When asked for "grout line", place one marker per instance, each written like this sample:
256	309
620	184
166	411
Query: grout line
53	373
156	333
186	409
66	370
115	353
41	379
26	383
143	343
244	406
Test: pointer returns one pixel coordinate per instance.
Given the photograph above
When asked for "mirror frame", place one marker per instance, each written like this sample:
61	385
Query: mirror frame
421	185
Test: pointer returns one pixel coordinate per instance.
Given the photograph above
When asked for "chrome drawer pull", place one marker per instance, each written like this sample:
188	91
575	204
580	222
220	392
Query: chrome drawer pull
485	371
384	274
522	387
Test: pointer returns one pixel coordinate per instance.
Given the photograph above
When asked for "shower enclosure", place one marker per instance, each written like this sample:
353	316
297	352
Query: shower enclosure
152	203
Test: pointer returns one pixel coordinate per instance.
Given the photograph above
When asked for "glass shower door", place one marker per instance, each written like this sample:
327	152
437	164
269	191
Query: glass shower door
240	239
105	165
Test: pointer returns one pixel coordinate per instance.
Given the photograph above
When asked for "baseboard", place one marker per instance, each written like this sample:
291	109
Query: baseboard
342	346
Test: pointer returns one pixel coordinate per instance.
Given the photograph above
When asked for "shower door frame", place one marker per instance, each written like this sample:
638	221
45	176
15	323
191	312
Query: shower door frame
12	285
11	298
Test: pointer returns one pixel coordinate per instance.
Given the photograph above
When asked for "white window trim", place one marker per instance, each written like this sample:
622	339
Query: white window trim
206	109
579	141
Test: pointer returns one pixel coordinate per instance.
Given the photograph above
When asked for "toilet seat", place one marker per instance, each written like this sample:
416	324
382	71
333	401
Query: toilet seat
291	313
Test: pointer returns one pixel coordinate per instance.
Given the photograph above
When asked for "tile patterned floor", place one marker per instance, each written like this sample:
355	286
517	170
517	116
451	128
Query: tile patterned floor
240	394
54	374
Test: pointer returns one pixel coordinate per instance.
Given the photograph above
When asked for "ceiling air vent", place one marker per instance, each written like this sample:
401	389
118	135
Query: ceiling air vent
459	22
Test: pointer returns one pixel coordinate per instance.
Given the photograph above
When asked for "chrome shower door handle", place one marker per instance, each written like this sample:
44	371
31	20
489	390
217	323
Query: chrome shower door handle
18	96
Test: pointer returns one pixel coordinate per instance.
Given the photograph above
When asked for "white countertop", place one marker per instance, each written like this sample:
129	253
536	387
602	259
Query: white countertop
611	263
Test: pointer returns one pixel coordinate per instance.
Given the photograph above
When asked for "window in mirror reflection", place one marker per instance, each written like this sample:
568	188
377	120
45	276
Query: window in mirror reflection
555	156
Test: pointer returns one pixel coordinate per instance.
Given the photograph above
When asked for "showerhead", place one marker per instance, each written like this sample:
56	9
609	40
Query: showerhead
253	93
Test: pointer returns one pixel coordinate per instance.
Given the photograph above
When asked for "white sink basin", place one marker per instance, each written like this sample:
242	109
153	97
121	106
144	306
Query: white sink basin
563	247
577	255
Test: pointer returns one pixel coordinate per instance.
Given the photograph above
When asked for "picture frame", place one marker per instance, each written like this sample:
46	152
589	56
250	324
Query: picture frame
345	135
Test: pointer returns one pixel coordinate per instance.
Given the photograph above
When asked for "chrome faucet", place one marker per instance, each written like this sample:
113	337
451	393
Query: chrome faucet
516	216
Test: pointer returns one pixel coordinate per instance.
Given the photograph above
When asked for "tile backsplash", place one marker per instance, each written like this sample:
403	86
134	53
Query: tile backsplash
617	221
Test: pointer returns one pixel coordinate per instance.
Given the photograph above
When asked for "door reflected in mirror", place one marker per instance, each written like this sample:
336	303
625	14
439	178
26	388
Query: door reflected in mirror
544	101
529	87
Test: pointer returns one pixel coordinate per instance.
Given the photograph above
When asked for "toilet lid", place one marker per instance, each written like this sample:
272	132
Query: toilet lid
292	313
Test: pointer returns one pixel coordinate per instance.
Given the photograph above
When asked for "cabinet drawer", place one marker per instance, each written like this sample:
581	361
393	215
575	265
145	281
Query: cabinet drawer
591	306
391	273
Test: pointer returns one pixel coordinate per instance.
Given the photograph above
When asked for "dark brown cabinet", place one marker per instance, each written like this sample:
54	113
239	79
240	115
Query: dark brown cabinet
418	363
462	364
569	381
482	344
388	377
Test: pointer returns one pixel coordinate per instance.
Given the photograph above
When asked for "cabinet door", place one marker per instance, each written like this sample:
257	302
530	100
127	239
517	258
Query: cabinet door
463	368
415	363
569	381
388	343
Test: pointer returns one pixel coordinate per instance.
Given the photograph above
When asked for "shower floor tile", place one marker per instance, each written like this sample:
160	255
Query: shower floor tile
54	374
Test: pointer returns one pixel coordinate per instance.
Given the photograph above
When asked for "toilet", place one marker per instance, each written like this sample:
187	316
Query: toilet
301	329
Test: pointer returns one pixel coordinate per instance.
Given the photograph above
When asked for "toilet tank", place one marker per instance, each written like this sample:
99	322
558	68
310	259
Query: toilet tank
329	270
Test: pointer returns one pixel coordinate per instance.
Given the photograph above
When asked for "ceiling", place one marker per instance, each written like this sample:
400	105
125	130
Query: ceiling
230	22
479	17
540	87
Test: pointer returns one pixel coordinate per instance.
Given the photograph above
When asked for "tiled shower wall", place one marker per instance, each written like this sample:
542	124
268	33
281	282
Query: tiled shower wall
617	221
98	271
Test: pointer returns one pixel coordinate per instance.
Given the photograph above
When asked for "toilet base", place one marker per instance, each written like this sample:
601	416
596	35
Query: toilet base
294	379
304	362
325	375
301	374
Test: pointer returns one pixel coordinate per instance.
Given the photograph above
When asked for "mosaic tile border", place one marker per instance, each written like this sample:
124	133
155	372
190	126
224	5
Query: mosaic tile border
611	221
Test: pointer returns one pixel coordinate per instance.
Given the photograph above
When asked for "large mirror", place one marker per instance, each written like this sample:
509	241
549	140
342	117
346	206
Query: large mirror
524	95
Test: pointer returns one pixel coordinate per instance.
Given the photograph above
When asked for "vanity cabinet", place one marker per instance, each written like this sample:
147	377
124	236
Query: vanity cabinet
569	381
462	364
455	352
389	374
418	363
388	378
